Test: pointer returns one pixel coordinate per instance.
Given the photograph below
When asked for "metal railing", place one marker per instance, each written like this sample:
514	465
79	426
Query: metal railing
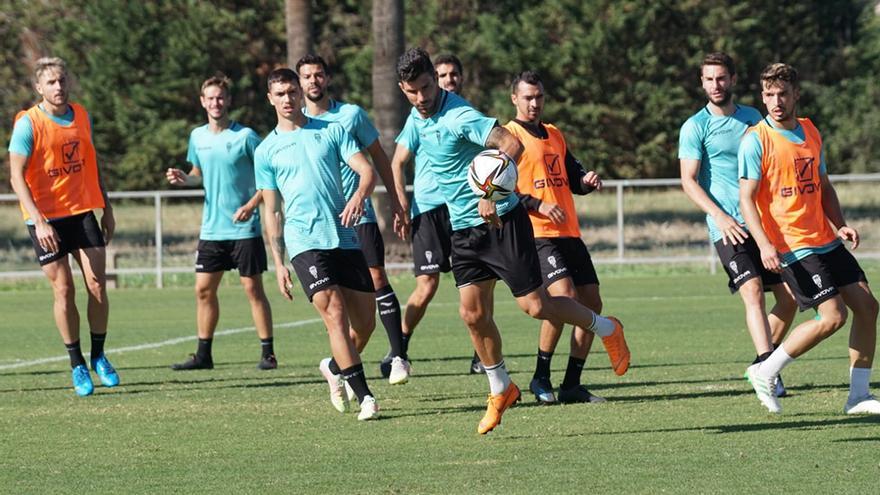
618	185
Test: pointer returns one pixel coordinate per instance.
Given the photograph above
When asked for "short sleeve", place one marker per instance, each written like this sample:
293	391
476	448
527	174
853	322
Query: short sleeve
263	173
345	142
471	125
749	157
191	155
364	130
690	141
408	137
22	140
251	142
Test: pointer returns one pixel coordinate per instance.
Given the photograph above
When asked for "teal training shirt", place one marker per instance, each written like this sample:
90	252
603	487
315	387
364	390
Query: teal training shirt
426	192
447	142
714	141
305	165
749	160
354	120
226	161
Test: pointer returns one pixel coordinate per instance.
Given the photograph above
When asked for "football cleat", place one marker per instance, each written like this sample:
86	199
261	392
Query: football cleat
400	371
338	397
82	381
765	388
578	394
385	365
476	366
615	346
865	405
497	404
369	409
105	371
543	390
194	363
268	363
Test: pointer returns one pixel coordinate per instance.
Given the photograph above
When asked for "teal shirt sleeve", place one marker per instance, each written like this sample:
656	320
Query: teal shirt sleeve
823	170
364	131
251	143
408	137
749	157
690	142
472	126
22	140
263	173
191	155
345	143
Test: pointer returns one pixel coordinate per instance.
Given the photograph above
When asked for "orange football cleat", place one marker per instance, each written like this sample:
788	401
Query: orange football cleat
497	405
615	346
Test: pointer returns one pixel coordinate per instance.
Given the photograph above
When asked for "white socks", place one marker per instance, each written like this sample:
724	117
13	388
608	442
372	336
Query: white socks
774	364
859	378
499	380
601	326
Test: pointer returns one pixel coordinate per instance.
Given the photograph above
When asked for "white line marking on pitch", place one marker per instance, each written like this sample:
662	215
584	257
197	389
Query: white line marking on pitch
141	347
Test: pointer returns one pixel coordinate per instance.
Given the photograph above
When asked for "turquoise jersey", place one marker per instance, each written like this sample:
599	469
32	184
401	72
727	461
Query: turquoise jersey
226	161
354	120
750	157
426	192
305	166
447	142
714	141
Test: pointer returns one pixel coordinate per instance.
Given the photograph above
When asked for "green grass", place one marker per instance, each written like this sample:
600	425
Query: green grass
681	421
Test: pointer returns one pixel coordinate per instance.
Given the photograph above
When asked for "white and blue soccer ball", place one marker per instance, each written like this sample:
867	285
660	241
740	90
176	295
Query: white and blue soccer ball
492	175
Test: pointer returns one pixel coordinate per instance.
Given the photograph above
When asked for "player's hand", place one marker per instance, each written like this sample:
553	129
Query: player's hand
285	285
47	236
591	179
849	234
553	212
731	231
175	177
353	211
108	224
402	225
488	213
243	214
770	259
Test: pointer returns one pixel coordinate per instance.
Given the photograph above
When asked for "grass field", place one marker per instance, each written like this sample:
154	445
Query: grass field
681	421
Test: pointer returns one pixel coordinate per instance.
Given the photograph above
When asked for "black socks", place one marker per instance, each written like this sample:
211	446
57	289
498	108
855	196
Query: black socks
389	313
75	353
356	379
573	373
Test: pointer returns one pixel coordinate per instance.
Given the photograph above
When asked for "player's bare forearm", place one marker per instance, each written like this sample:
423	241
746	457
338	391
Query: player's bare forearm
693	190
383	168
501	139
402	157
830	203
255	200
748	189
17	168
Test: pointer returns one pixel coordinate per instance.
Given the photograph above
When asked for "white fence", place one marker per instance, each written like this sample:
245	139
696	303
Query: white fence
619	186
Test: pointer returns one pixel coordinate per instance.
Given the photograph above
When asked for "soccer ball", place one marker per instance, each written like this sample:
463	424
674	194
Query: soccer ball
492	175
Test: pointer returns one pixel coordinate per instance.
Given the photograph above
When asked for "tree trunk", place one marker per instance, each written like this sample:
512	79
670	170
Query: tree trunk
388	103
298	23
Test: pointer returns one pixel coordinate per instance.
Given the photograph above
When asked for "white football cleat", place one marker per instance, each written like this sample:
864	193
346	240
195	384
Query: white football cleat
400	371
369	409
865	405
338	396
765	388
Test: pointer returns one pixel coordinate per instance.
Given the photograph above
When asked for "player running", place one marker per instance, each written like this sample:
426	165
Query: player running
792	211
299	163
548	175
707	149
315	79
489	240
221	153
54	173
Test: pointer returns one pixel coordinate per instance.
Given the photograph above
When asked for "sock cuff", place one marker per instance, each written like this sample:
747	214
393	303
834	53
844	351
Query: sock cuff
494	366
267	340
384	292
352	371
98	336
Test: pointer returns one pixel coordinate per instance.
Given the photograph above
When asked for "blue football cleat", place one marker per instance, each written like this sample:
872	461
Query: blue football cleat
82	381
543	390
105	371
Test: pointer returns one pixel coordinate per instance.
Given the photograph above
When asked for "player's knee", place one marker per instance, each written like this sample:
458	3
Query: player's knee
65	293
867	307
833	321
254	292
427	286
473	316
538	309
205	293
594	303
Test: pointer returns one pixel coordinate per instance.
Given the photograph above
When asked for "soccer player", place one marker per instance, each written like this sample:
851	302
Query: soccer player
548	175
489	240
54	173
431	230
707	149
299	163
315	79
221	153
792	211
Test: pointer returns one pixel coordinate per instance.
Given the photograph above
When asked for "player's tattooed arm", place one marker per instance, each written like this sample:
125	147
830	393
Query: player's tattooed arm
275	232
402	157
501	139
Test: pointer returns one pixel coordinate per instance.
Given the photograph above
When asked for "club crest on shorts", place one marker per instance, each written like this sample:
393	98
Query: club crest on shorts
552	261
733	267
314	271
817	280
429	255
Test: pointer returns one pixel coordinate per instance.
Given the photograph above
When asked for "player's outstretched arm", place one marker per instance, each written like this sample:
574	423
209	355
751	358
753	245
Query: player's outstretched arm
731	231
47	236
402	157
748	189
354	209
502	139
275	231
831	207
177	177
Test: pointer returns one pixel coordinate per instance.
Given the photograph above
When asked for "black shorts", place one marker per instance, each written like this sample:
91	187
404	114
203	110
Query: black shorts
816	278
431	241
483	253
562	257
742	262
247	255
320	269
76	232
372	243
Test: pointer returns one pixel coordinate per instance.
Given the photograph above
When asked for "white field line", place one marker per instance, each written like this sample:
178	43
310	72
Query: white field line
293	324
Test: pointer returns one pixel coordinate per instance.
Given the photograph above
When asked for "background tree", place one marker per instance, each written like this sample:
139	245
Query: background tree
298	16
